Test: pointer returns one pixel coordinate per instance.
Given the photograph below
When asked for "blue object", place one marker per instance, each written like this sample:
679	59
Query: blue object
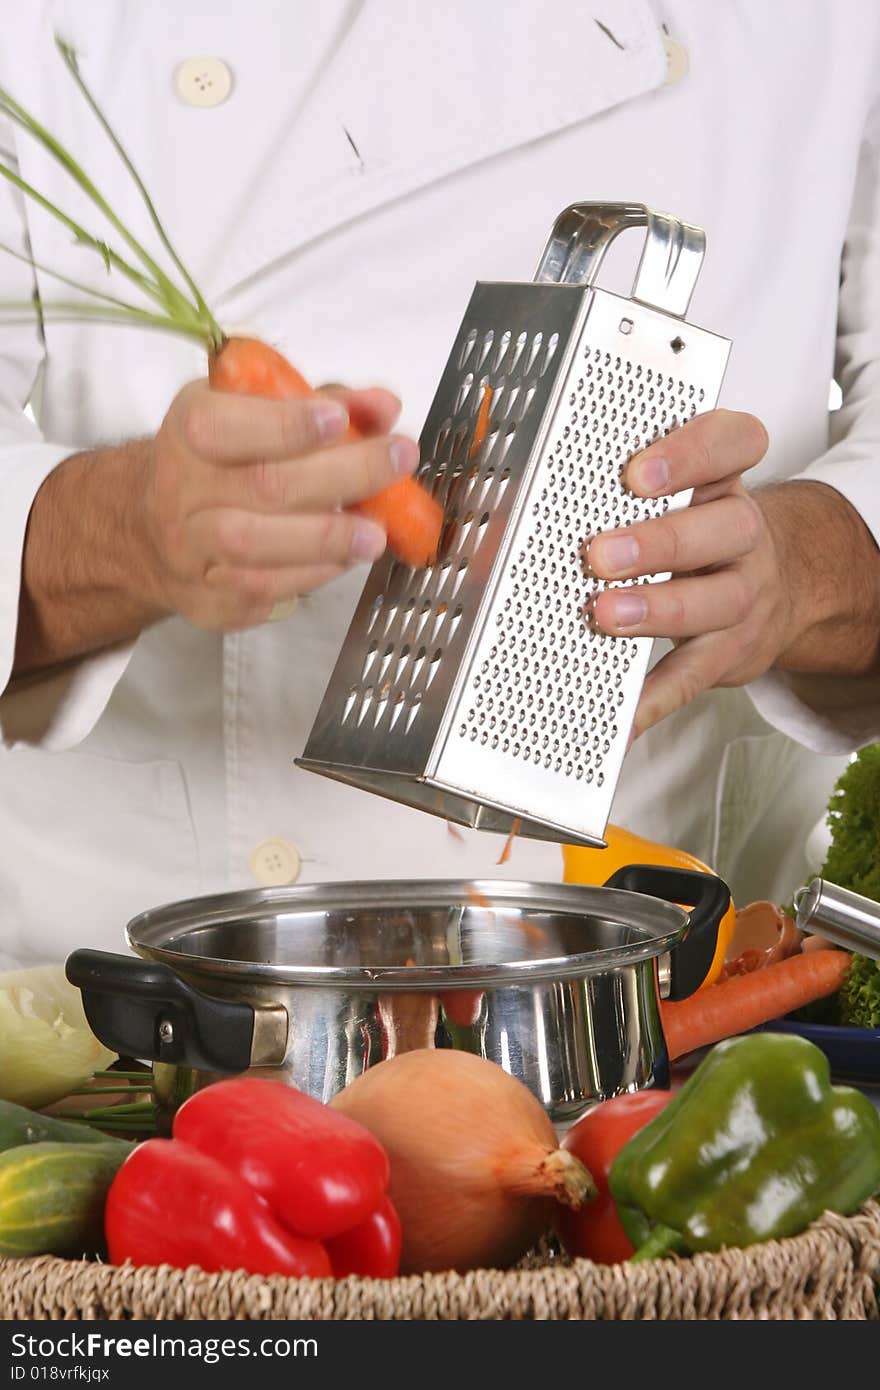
853	1053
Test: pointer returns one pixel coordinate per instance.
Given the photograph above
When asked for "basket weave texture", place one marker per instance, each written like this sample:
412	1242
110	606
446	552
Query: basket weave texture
831	1271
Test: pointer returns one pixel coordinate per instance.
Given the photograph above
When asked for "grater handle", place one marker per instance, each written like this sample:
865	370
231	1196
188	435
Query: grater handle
671	260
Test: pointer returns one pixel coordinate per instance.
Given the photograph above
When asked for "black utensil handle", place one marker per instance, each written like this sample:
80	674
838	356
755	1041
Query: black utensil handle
706	895
141	1008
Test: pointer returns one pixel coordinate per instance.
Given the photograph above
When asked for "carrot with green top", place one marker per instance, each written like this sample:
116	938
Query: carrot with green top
411	518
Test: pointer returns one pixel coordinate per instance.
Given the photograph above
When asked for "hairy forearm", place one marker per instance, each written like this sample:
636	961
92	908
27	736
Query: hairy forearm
831	567
83	582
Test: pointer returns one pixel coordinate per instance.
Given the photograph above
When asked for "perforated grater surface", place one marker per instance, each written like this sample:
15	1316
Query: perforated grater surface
476	689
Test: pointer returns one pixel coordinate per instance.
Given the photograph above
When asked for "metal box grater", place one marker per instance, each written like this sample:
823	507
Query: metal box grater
475	689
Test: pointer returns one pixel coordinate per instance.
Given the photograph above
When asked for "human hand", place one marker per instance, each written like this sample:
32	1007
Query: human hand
242	499
726	605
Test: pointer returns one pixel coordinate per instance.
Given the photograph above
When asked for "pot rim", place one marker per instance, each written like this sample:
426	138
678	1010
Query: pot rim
662	926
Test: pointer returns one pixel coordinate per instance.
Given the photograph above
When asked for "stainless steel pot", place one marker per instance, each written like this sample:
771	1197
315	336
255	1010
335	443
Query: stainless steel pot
558	984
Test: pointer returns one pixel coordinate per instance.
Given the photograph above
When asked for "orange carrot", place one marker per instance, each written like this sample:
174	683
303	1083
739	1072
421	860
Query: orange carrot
411	517
482	423
508	843
745	1001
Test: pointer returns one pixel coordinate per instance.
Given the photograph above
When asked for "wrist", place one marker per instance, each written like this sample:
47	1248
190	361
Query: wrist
85	574
141	574
831	622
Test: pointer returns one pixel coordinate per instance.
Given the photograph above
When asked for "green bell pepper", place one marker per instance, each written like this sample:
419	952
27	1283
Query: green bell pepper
755	1146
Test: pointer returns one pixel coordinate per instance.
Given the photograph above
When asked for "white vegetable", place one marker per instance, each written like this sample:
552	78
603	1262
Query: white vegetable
46	1046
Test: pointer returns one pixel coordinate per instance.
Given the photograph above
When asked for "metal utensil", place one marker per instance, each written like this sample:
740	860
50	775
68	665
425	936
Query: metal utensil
313	985
476	688
841	916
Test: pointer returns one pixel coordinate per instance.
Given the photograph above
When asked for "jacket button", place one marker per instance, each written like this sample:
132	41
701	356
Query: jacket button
677	62
203	81
275	863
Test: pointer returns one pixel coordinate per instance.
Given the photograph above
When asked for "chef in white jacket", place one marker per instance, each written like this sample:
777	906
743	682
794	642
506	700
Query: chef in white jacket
336	176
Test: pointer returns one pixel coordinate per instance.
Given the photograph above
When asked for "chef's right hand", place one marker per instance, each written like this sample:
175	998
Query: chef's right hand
243	498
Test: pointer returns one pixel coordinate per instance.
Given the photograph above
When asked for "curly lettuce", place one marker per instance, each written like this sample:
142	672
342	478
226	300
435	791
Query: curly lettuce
853	862
859	995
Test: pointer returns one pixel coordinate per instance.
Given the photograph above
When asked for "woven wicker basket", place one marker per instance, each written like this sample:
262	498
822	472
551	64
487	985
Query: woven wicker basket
831	1271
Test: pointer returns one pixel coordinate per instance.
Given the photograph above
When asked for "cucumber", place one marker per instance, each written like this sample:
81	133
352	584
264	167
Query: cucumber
19	1125
52	1196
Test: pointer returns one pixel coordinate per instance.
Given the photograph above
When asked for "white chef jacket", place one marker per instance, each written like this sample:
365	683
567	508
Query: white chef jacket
368	163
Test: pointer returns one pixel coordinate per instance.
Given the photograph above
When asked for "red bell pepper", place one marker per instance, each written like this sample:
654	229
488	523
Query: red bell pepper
371	1249
320	1172
170	1204
595	1230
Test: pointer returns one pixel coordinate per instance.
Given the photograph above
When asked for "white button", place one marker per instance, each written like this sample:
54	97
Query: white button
677	61
275	863
283	610
203	81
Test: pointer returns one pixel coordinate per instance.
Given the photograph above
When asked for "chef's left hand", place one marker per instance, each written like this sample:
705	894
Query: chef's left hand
725	605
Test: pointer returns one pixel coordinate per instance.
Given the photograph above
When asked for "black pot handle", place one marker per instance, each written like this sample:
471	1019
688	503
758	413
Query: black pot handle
141	1008
708	897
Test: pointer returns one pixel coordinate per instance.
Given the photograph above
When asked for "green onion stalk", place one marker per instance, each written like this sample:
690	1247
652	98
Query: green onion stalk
178	305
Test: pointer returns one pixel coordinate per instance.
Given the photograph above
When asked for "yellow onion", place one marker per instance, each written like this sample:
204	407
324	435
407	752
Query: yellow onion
476	1169
46	1046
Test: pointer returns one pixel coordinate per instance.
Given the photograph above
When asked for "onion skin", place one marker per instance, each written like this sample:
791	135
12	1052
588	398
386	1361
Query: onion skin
476	1168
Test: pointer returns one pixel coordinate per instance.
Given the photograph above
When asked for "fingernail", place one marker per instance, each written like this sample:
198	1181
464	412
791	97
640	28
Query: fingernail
404	456
652	474
367	541
616	554
331	419
628	610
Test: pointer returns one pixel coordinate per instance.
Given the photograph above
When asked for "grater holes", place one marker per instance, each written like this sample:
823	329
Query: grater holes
549	353
442	436
501	351
457	451
506	440
396	708
464	391
485	347
467	347
495	410
519	347
534	349
568	675
413	710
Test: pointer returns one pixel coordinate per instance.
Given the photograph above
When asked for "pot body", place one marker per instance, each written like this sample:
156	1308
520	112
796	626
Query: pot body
572	1042
557	984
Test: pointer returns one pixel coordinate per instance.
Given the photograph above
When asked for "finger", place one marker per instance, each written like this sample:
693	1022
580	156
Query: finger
687	540
253	540
238	429
323	480
247	598
372	411
682	675
720	444
309	577
676	607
